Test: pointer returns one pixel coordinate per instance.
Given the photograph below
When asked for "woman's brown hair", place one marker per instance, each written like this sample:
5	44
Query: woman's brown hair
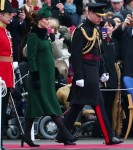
35	19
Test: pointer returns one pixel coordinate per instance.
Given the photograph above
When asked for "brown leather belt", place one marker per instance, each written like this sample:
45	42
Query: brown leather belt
6	59
91	57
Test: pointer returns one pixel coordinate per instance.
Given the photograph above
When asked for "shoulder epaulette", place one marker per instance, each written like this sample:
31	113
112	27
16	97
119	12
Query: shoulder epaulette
78	27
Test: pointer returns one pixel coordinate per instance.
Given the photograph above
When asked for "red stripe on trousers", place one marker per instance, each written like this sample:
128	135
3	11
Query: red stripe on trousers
102	124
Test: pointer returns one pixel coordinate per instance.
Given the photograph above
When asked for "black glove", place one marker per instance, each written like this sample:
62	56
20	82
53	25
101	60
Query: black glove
52	37
35	79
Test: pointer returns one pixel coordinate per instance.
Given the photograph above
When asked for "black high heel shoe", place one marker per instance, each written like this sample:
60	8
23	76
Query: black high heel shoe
28	141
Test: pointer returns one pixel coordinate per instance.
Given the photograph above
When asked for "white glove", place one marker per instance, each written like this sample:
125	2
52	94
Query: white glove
104	77
15	65
80	83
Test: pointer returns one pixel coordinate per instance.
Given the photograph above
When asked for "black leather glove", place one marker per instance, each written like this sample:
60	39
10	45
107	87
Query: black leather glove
35	79
52	37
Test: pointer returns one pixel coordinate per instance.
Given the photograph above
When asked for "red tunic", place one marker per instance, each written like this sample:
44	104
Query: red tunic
6	68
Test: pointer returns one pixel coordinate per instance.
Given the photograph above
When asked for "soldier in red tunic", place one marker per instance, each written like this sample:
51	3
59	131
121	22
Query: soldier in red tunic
6	59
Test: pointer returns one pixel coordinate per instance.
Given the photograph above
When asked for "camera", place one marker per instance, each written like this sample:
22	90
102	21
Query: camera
18	11
131	21
54	2
105	30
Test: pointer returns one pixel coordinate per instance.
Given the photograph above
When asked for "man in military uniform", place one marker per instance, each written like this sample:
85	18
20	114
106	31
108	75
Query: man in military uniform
85	52
6	58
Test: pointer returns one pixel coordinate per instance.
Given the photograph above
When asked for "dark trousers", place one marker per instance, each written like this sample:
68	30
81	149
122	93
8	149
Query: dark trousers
5	101
104	123
109	97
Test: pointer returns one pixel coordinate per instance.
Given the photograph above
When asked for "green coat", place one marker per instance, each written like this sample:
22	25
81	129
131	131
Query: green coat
41	101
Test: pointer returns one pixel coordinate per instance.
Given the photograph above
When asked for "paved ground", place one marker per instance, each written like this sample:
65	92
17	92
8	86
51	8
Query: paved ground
85	141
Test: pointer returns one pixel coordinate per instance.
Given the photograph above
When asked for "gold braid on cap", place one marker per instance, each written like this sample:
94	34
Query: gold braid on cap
2	4
91	40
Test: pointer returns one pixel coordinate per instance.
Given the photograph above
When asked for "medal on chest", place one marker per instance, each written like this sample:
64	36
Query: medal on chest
9	39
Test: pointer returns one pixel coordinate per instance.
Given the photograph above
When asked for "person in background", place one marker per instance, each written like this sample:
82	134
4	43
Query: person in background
124	34
28	6
79	5
20	3
28	10
17	28
88	1
85	14
71	9
62	36
110	56
6	55
107	2
41	3
57	10
85	62
15	4
42	99
118	20
117	7
129	5
108	15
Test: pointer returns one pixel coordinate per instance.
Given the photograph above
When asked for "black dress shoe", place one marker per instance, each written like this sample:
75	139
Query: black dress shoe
115	140
61	140
66	142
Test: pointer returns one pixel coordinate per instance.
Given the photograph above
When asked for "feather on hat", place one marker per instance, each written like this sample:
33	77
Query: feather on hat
5	6
2	4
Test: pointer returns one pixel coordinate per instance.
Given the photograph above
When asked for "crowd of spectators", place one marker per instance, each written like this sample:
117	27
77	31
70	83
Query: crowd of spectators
66	16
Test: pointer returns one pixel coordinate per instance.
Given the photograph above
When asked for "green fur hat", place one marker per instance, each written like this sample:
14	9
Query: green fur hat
45	12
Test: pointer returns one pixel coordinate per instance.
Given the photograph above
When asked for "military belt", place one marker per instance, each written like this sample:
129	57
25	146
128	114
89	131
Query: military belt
91	57
6	59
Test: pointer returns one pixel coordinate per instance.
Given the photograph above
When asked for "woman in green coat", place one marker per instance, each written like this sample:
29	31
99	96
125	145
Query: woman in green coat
42	99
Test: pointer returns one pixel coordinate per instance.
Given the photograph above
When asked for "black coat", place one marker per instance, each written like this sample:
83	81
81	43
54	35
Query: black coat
17	31
126	47
63	18
110	55
66	19
79	5
84	69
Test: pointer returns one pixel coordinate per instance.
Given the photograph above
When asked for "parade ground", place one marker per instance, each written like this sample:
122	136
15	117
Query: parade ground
81	144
